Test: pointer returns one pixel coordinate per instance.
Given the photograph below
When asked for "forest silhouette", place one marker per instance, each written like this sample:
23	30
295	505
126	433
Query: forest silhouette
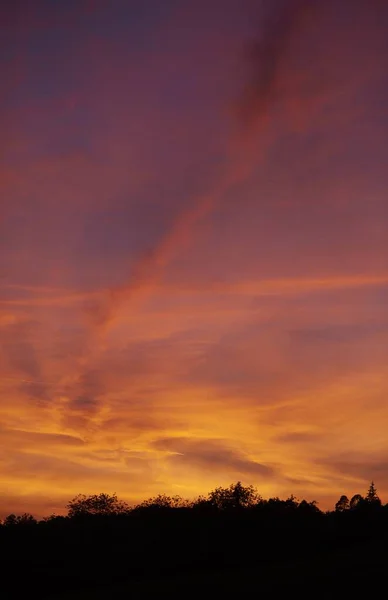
228	543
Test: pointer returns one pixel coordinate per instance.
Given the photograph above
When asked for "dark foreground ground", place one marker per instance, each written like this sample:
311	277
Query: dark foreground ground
335	577
183	557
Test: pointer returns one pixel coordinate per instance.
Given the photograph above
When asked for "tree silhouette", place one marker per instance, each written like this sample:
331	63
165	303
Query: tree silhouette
291	503
162	501
308	508
342	504
372	496
356	502
97	504
233	497
24	519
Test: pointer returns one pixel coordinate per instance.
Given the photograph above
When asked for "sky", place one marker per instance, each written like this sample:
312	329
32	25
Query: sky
193	249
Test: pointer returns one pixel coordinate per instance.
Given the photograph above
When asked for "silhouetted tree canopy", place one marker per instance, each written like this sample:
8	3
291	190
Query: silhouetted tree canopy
235	496
356	501
342	504
222	499
97	504
162	501
25	520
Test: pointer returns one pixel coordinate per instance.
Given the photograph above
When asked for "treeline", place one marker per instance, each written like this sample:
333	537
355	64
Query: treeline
236	497
102	541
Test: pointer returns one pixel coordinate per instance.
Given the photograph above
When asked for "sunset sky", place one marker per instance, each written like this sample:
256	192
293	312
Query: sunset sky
193	248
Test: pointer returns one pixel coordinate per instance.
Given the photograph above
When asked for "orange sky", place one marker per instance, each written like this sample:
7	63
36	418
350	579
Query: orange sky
193	249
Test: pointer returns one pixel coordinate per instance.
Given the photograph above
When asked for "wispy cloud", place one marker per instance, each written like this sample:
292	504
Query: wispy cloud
208	454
